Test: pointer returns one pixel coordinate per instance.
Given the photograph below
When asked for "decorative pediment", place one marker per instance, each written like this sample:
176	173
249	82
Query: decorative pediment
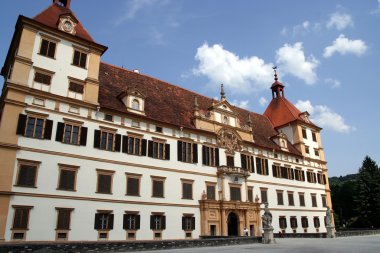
229	139
305	116
223	107
67	23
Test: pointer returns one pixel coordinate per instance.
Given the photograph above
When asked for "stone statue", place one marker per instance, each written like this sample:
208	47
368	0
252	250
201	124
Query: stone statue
329	222
267	217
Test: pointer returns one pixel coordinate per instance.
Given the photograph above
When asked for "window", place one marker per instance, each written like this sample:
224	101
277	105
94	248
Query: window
158	129
302	198
188	152
316	152
304	133
158	186
104	220
135	124
291	198
210	156
47	48
293	222
280	198
316	222
133	184
104	184
157	222
304	222
321	178
131	221
67	177
27	173
324	203
108	117
311	177
250	193
187	189
276	170
299	175
188	222
21	217
63	218
42	80
133	144
235	193
313	200
79	59
262	166
210	191
135	104
287	173
107	140
307	151
71	133
157	148
314	136
282	222
34	126
247	162
76	87
264	195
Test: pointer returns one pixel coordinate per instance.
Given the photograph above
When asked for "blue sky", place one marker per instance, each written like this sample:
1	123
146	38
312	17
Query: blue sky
327	53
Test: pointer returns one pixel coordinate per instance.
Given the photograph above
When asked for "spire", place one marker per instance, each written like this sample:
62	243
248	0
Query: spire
277	87
222	93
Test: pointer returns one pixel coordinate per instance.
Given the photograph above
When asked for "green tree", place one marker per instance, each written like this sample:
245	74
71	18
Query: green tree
368	194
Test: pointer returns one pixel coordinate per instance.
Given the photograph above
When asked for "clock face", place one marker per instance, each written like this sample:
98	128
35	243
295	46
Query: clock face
67	26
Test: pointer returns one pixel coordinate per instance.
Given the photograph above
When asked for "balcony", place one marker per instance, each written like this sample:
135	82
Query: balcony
232	170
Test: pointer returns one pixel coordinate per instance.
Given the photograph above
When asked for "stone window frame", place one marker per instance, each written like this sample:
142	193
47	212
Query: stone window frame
20	230
105	231
236	186
324	200
188	218
290	197
50	40
107	131
210	151
107	173
158	231
156	142
129	175
263	190
193	145
45	72
291	221
135	136
189	182
36	116
72	123
303	197
65	231
280	200
249	161
160	179
314	202
68	167
76	94
250	197
210	184
21	162
81	51
132	231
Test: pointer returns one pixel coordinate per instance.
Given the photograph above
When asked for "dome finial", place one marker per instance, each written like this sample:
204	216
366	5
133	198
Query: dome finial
275	73
222	93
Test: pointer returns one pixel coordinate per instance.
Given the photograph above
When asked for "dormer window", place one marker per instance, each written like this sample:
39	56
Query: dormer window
135	104
133	99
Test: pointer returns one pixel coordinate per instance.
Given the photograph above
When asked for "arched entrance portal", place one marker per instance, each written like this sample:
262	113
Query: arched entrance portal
233	224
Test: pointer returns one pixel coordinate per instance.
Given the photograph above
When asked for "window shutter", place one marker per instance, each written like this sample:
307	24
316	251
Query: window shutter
124	147
179	150
163	221
143	147
110	221
83	60
243	161
167	151
48	129
192	223
252	164
258	165
83	136
59	133
267	167
324	179
97	221
51	51
138	221
183	222
21	124
274	171
195	153
97	139
117	142
125	221
150	148
152	222
217	157
204	155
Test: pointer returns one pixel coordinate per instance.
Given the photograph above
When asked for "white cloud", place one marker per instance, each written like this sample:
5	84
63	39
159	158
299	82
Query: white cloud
333	83
324	117
339	21
242	103
377	10
301	29
263	101
344	46
135	6
238	74
291	59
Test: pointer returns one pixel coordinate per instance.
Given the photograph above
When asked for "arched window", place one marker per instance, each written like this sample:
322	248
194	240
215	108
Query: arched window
135	104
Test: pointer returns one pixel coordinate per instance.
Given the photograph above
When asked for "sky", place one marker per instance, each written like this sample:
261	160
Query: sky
327	53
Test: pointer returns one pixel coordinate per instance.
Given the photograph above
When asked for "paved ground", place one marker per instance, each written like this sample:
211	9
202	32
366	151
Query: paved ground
357	244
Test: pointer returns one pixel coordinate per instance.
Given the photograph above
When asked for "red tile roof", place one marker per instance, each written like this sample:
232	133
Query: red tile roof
280	112
50	17
172	104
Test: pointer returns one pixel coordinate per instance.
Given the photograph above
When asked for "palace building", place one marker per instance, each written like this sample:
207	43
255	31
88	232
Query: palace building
90	151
